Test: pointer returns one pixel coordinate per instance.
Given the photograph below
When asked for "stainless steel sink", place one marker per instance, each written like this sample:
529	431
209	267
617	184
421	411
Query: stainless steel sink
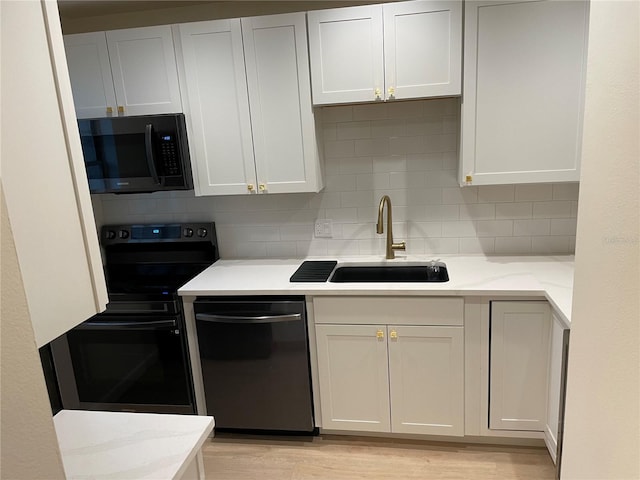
428	272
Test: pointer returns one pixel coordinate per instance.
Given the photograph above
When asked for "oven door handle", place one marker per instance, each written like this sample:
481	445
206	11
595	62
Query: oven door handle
215	318
148	144
135	325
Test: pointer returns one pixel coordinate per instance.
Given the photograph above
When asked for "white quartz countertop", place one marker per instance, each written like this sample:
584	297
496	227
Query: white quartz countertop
122	445
473	275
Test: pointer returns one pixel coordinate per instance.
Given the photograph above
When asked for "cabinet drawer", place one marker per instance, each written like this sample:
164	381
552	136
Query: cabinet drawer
389	310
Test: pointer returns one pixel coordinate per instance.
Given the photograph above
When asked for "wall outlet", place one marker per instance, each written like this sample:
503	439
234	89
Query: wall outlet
323	229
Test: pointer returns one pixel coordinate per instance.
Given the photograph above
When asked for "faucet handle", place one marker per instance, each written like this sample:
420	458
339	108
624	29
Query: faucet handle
399	246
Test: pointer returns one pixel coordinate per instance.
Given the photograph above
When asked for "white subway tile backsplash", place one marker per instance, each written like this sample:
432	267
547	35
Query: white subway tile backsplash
373	181
478	211
424	229
514	210
550	244
459	229
353	130
513	245
563	226
494	228
407	150
537	192
496	193
424	162
559	209
406	145
339	148
424	196
441	245
566	191
404	109
460	195
477	245
524	228
371	147
339	113
373	111
281	249
362	198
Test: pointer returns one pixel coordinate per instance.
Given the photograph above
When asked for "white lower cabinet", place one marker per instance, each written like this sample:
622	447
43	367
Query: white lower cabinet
387	376
519	353
555	390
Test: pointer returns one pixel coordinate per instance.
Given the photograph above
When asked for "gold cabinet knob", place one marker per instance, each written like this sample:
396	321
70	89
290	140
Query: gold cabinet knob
379	334
393	335
109	110
468	179
377	93
120	109
262	187
392	93
250	187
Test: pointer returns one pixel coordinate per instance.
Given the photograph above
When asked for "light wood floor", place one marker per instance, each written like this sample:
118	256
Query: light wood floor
331	457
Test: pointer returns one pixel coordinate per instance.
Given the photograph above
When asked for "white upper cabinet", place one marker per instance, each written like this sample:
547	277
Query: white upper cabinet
347	55
422	48
523	91
90	72
218	106
250	113
44	182
384	52
123	72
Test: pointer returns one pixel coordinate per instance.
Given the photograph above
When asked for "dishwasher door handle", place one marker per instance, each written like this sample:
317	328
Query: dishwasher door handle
210	317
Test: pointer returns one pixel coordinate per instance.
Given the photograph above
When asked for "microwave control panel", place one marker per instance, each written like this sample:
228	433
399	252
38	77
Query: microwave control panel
169	155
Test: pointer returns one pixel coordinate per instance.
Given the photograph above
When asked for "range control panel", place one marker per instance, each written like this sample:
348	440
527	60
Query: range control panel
174	232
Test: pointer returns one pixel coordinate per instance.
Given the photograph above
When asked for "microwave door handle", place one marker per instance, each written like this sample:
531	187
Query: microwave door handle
148	143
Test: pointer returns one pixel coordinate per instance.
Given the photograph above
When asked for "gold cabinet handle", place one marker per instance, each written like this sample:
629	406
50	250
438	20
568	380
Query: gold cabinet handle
109	110
392	93
250	187
120	109
468	179
393	335
377	93
379	334
262	187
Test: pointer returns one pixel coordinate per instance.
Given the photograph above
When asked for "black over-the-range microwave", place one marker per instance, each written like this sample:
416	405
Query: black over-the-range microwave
137	154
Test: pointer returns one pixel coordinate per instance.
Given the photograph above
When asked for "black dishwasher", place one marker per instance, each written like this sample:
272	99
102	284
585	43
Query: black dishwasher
254	353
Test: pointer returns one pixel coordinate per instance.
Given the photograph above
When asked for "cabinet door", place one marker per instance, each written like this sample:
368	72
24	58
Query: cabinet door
144	70
346	51
284	140
422	48
554	390
523	91
216	88
44	181
519	347
90	72
354	380
426	374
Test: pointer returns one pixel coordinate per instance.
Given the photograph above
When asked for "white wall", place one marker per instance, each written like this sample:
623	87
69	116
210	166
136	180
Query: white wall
407	150
29	445
602	427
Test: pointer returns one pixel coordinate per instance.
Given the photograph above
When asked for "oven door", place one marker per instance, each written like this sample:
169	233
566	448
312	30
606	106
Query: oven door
125	363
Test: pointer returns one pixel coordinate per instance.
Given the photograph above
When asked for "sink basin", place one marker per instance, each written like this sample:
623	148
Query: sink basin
430	272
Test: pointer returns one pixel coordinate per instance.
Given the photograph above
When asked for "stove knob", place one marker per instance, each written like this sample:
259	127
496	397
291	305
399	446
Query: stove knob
202	232
188	232
110	234
123	234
